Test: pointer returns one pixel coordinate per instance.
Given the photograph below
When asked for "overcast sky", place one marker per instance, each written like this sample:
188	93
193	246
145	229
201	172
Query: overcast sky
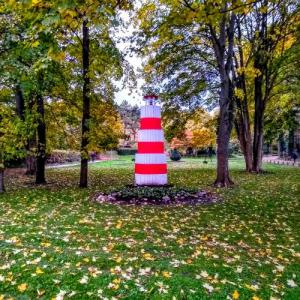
135	96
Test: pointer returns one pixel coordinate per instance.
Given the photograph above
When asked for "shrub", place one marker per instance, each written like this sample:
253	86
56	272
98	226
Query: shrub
152	192
175	155
15	163
63	156
126	151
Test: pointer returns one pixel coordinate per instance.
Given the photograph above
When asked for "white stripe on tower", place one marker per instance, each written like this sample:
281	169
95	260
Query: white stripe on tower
156	179
150	111
150	135
150	158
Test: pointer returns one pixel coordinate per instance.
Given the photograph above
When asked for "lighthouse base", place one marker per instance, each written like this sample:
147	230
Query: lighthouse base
156	179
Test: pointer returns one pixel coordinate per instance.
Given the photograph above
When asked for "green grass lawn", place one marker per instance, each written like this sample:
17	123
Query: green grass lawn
55	243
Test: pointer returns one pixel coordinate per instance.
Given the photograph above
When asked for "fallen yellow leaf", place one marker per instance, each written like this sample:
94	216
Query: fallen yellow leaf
39	271
118	259
117	280
166	274
235	295
22	287
148	256
40	292
119	225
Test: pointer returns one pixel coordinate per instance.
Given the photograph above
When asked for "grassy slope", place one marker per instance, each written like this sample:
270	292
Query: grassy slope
248	244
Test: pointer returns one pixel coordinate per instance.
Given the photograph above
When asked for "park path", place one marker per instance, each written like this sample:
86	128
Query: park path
279	161
54	166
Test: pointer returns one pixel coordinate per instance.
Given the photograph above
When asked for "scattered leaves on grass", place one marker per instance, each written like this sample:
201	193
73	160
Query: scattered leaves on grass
56	244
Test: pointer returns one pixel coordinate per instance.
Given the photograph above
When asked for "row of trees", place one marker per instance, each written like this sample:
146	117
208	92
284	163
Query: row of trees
59	60
240	55
182	129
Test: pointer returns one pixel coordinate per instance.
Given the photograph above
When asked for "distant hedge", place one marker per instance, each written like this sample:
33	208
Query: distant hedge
126	151
63	156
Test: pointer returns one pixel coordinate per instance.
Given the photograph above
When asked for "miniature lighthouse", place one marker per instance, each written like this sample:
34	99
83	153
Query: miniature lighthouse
150	160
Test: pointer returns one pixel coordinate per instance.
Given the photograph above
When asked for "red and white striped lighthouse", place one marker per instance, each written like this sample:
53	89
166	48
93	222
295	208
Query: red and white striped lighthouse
150	160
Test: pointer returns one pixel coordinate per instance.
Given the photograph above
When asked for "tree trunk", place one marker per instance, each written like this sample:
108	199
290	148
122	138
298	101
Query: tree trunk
261	64
30	160
223	48
2	189
258	124
30	146
242	121
223	137
291	141
41	142
20	109
20	104
242	124
244	138
86	106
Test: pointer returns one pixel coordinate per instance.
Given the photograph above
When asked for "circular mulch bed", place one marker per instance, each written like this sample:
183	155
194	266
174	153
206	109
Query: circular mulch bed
156	195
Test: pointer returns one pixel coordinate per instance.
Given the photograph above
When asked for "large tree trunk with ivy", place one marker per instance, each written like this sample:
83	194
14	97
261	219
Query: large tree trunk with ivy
41	142
86	105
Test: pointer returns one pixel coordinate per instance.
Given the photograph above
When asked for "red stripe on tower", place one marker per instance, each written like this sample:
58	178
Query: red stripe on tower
150	166
150	147
151	169
150	123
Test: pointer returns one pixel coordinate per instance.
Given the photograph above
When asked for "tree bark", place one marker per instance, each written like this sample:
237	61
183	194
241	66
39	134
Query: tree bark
20	104
30	146
291	141
242	120
41	142
258	125
261	64
2	189
20	109
242	125
245	140
30	158
223	48
223	137
86	106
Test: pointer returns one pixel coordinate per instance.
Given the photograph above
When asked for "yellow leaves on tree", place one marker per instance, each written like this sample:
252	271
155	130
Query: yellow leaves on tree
202	138
199	132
